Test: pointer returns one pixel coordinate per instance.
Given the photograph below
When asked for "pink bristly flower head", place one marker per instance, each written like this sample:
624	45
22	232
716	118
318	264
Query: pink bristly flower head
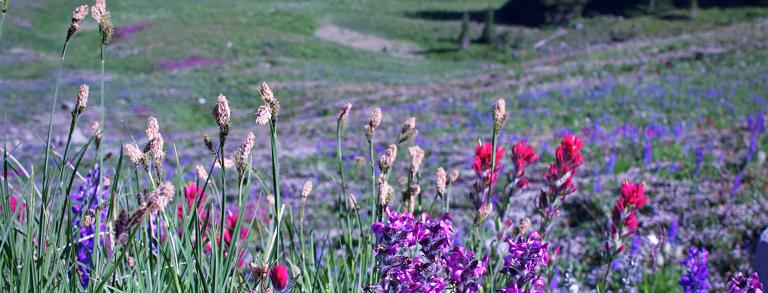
482	162
279	277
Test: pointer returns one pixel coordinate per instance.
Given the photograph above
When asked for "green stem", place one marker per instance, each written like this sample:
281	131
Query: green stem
493	162
275	186
373	179
341	163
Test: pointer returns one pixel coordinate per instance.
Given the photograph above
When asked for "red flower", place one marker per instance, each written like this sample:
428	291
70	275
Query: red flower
279	277
14	203
522	156
231	222
482	162
569	153
632	199
192	192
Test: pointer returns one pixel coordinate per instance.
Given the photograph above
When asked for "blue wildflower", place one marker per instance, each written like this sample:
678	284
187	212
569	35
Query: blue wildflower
695	278
85	205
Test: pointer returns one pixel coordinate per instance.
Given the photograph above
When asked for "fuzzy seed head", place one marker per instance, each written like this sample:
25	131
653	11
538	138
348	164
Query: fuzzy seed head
243	154
208	141
153	128
385	192
409	125
98	11
376	118
454	175
156	150
134	154
263	115
82	100
221	112
269	99
417	156
96	132
386	160
306	190
160	197
344	113
441	181
499	114
228	163
79	13
201	172
483	212
352	201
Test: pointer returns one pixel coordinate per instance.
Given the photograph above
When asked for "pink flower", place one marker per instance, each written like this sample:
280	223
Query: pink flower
569	153
482	162
279	276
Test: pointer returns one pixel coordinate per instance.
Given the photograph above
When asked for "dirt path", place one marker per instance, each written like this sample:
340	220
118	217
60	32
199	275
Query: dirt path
354	39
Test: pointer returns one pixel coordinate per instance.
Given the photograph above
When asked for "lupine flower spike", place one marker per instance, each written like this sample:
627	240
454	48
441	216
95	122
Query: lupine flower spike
695	278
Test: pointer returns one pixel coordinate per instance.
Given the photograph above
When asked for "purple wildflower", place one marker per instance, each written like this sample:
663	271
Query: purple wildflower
522	263
741	284
84	208
695	278
418	255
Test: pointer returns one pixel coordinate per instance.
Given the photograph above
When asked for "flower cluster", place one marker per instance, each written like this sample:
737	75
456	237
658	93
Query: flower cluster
419	256
521	156
85	206
482	162
623	219
522	263
738	283
695	278
559	178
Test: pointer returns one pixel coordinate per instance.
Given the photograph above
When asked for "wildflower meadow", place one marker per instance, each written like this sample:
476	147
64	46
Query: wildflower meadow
432	174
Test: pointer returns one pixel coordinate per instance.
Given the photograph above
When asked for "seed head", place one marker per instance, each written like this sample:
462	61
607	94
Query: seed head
499	114
376	118
386	160
201	173
99	10
222	114
122	226
160	197
306	190
441	181
208	143
77	16
483	212
96	132
156	151
134	154
408	131
82	100
100	13
385	192
79	13
523	227
269	99
344	113
243	154
263	115
259	270
228	163
454	175
373	123
352	201
153	128
417	156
